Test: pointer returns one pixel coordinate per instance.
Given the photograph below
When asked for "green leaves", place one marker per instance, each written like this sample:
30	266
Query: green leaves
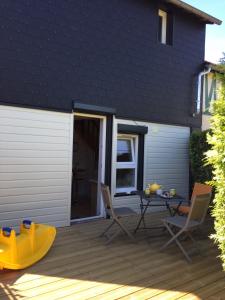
216	157
200	170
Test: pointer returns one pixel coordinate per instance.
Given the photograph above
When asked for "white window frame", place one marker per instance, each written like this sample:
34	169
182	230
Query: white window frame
163	15
131	164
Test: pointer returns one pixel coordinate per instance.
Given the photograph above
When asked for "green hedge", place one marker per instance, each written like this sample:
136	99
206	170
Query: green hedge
216	157
200	172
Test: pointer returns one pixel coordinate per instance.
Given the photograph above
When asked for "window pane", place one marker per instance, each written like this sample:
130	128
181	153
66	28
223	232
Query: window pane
160	29
125	178
124	153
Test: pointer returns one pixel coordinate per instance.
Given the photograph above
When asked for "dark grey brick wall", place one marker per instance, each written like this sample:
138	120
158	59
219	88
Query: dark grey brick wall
101	52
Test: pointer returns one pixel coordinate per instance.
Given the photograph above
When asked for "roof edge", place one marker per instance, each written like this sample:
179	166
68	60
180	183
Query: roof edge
199	13
216	68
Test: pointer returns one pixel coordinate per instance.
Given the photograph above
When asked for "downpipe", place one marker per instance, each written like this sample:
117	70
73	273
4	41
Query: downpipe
198	100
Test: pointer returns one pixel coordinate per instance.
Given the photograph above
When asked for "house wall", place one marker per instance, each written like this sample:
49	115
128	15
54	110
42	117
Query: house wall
101	53
35	166
166	160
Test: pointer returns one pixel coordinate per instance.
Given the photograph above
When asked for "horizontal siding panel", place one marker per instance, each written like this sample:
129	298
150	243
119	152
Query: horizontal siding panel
32	176
32	212
36	198
32	190
167	172
168	176
33	124
166	161
33	153
167	157
33	131
33	115
32	161
11	184
163	152
180	135
36	146
35	166
4	137
29	206
56	219
154	145
155	129
168	166
180	141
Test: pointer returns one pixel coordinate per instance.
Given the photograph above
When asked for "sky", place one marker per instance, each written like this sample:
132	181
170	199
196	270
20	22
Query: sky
215	34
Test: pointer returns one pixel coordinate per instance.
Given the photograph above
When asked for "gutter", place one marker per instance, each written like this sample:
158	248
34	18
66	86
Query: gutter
198	100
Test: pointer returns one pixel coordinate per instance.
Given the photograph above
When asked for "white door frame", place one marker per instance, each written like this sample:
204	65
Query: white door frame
101	162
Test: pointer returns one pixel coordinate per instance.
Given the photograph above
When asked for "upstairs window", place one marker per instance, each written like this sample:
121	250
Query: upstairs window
165	27
162	26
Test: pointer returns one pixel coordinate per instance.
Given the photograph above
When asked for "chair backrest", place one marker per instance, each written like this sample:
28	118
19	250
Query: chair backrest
107	200
200	189
199	207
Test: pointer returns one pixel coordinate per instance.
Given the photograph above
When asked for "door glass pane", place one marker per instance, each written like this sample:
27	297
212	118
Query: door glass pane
124	153
125	178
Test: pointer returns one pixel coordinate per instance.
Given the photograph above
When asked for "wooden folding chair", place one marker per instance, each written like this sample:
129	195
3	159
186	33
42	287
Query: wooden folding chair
116	214
187	224
199	189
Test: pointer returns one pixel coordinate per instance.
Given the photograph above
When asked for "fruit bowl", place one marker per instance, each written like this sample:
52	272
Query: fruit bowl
166	195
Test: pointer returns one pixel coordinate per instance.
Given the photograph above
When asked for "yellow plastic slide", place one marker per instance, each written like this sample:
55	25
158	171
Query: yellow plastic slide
23	250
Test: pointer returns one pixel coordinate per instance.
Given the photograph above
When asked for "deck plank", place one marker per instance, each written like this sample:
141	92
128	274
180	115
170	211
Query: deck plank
209	289
169	279
81	266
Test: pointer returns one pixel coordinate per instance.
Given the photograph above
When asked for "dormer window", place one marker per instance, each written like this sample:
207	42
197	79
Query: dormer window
165	27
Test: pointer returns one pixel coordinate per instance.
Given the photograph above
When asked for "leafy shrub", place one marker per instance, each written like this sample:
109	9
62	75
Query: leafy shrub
216	157
200	172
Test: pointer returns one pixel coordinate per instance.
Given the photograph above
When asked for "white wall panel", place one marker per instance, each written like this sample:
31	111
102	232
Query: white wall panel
166	159
35	166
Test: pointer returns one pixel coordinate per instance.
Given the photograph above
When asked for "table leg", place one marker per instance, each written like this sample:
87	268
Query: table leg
169	209
141	206
176	211
141	218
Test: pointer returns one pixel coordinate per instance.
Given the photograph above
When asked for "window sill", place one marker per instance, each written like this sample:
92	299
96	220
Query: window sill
168	45
125	194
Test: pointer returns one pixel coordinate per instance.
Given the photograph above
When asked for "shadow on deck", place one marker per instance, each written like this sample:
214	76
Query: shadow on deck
81	266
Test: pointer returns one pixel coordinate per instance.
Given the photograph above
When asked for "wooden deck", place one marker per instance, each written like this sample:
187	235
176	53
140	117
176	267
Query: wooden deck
81	266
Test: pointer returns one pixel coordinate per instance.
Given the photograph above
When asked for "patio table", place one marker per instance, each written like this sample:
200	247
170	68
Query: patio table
147	202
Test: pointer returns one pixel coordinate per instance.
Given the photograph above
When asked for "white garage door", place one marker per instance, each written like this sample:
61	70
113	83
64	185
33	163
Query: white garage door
35	166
